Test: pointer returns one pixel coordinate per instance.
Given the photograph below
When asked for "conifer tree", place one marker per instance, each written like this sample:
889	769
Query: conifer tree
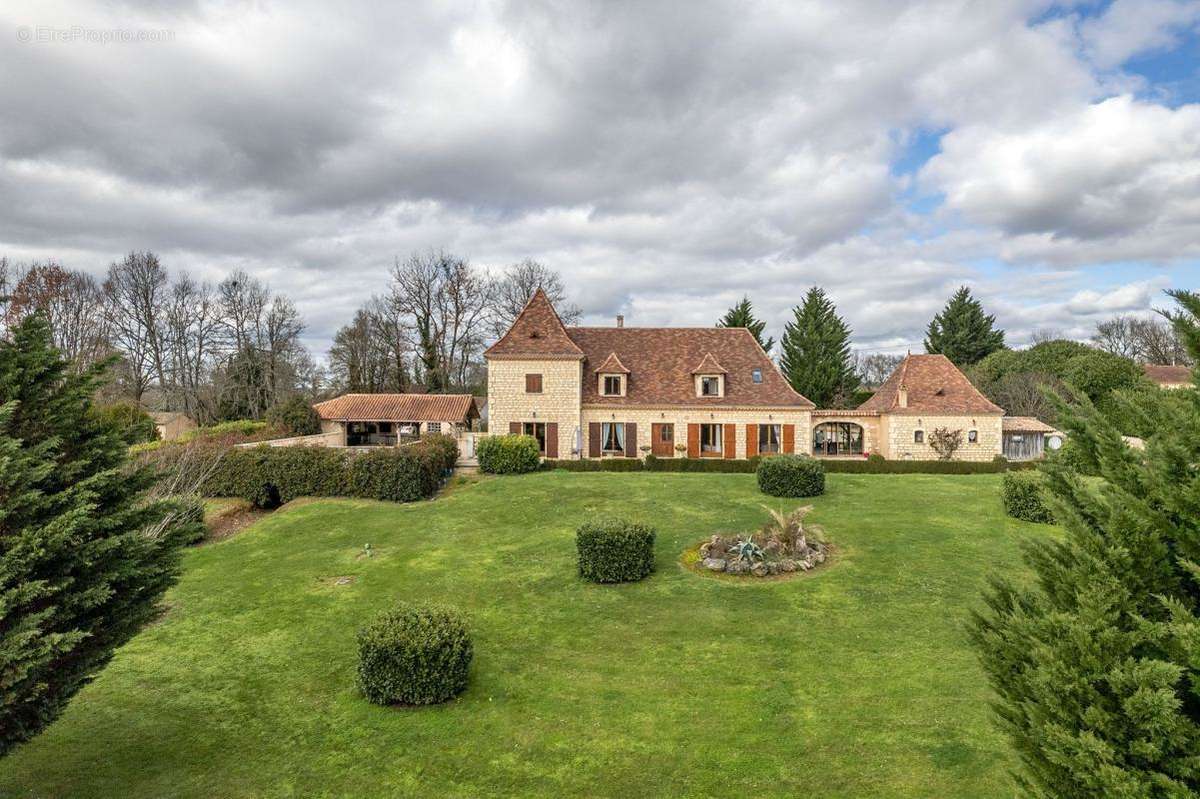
816	351
742	315
962	331
84	556
1096	665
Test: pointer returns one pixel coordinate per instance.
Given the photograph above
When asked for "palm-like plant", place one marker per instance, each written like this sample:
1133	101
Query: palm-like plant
790	530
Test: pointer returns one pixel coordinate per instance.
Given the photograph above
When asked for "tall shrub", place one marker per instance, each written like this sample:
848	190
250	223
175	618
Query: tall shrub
509	454
414	655
1096	665
614	551
294	416
791	476
84	556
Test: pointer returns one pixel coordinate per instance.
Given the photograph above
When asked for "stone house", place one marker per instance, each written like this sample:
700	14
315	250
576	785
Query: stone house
171	425
591	392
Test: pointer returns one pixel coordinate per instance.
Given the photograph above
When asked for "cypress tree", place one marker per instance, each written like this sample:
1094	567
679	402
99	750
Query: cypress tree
742	315
84	555
1096	665
816	351
962	331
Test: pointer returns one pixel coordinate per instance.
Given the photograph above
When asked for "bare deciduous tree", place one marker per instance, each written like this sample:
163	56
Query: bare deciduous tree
445	302
875	368
136	291
518	283
72	303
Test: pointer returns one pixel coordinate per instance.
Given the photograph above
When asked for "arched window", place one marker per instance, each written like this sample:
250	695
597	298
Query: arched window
838	438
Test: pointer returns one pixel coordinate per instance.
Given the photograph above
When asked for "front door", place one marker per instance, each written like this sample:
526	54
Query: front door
663	445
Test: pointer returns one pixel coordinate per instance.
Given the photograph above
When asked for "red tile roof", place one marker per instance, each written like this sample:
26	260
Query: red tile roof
537	332
398	408
612	366
1025	424
661	360
1168	375
709	366
934	385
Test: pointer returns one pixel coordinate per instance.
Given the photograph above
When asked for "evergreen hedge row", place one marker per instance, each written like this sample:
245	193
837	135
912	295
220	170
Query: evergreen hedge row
269	476
749	466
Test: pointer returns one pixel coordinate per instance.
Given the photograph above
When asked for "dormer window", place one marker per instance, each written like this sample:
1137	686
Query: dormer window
710	377
710	386
611	376
612	385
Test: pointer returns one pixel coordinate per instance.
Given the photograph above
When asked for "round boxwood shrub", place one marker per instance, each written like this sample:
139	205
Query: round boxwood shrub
414	655
791	476
615	551
511	454
1021	493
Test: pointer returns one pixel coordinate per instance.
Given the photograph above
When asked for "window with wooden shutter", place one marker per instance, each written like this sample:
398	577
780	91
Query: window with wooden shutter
533	384
789	438
593	439
751	440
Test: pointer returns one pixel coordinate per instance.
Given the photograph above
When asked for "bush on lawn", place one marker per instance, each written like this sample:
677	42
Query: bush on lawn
295	416
1023	497
876	460
614	551
414	655
511	454
791	476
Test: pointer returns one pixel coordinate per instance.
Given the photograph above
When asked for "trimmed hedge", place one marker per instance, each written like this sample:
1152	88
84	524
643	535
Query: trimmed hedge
1023	497
791	476
614	551
872	465
414	655
510	454
269	476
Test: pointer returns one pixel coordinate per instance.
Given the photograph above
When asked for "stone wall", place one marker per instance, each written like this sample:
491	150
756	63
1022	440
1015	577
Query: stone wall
900	429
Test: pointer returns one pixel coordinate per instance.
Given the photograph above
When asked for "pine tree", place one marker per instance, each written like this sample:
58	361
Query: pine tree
962	331
84	556
742	315
1096	665
816	351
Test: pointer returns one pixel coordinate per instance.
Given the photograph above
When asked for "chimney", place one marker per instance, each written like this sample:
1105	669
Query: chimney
902	397
620	320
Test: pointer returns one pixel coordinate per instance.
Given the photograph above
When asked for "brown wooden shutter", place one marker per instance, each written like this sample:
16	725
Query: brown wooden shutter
789	438
751	440
514	428
693	449
730	447
631	450
551	439
593	439
533	384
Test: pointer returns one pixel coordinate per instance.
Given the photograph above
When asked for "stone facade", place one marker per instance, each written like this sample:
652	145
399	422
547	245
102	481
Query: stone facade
901	445
558	402
801	419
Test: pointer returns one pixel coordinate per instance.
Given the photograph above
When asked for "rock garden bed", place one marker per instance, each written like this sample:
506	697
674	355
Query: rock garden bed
785	545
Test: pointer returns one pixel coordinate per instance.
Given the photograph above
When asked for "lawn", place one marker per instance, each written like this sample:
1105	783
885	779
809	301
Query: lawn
852	681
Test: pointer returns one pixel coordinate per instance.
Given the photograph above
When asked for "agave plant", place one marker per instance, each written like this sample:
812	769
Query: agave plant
746	550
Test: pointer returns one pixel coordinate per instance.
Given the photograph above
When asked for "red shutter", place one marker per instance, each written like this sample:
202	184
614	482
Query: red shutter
514	428
693	441
593	439
631	447
751	440
551	439
789	438
730	431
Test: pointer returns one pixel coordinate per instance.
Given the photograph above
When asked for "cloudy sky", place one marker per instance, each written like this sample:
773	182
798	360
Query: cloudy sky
664	157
